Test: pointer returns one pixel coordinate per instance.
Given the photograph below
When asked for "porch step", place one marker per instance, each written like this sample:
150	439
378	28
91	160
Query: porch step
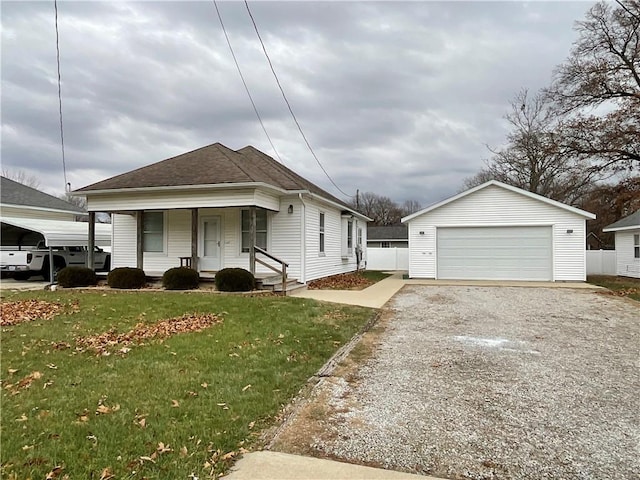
274	284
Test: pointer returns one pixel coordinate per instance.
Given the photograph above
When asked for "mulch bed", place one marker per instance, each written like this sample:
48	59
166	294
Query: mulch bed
344	281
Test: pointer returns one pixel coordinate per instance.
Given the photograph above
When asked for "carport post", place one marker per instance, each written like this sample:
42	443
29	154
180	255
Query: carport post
51	279
92	240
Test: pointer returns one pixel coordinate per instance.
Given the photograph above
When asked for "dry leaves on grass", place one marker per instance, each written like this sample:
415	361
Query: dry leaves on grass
102	343
26	382
625	292
344	281
13	313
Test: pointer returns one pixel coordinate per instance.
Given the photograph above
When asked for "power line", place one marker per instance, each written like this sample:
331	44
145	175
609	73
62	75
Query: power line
289	105
235	60
64	165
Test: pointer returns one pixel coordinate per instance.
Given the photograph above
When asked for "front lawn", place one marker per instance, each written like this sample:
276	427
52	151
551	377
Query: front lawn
108	387
622	286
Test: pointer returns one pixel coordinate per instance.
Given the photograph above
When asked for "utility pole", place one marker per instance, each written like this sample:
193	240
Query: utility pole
358	199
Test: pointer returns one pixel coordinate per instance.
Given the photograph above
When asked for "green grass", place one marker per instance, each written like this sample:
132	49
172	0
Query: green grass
630	286
374	275
191	389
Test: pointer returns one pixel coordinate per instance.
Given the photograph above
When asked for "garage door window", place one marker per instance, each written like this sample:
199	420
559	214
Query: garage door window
636	246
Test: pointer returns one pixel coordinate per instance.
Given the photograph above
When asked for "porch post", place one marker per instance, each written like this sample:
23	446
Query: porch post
139	239
92	240
252	240
194	239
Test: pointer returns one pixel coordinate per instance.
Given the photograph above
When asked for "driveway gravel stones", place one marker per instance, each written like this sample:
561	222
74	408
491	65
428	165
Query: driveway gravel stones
490	383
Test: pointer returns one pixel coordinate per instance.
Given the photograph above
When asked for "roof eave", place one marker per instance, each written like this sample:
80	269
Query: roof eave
620	229
44	209
215	186
340	206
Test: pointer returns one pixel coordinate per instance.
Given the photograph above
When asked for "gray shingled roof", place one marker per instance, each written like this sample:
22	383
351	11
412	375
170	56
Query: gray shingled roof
213	165
15	193
395	232
632	220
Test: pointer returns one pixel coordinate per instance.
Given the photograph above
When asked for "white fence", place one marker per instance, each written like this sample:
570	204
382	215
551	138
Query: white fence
387	258
601	262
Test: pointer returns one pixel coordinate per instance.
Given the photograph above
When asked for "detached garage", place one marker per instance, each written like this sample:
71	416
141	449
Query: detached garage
498	232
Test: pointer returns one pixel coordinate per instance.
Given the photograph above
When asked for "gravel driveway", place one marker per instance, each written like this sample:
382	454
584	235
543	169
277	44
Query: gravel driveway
488	383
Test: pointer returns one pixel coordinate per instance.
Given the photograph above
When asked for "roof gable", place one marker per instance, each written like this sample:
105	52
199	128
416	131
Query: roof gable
627	223
15	193
511	188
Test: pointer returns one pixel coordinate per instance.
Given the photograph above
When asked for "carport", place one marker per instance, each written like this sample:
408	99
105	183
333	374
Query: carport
35	232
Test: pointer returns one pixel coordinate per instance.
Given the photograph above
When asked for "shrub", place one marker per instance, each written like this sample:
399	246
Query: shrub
180	278
77	277
126	277
235	280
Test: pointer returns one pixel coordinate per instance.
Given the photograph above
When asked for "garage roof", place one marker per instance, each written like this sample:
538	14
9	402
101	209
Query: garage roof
520	191
60	233
630	222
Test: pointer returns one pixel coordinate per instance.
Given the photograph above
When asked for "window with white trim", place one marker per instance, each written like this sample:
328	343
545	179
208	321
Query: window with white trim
385	245
153	232
261	229
350	236
321	227
636	246
359	236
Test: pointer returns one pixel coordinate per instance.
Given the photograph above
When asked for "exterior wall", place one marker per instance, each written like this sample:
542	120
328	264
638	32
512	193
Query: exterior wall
176	199
16	212
331	262
496	206
627	265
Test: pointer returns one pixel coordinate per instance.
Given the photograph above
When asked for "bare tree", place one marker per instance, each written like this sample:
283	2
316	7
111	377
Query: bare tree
22	177
598	88
533	159
381	209
409	207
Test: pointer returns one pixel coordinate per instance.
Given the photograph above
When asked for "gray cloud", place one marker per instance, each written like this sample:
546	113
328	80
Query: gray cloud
396	98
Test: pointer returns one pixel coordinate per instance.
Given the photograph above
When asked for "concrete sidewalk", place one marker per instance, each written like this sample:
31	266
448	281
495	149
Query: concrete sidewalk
374	296
266	465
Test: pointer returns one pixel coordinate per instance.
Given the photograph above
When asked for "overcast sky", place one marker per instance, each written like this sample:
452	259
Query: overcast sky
395	98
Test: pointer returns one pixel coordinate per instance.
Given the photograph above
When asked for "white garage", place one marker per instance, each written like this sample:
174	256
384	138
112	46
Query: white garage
498	232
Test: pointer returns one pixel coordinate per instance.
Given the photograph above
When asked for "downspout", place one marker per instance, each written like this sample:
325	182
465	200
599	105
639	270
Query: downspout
303	241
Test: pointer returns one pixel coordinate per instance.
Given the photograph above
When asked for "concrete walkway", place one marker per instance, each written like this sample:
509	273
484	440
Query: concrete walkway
266	465
9	284
374	296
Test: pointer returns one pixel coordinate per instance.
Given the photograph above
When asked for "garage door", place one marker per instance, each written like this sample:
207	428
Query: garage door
494	253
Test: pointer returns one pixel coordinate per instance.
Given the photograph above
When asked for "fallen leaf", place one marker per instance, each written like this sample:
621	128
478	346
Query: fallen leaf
27	447
251	425
12	370
162	448
175	403
204	385
143	422
52	366
147	459
103	409
246	387
184	452
193	394
106	474
229	455
57	470
23	418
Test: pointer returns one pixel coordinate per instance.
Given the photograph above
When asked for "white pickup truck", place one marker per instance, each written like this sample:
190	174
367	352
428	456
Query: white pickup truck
27	262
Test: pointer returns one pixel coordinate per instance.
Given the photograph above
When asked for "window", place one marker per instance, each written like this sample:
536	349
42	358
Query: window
350	236
385	245
261	229
636	246
321	232
153	232
360	236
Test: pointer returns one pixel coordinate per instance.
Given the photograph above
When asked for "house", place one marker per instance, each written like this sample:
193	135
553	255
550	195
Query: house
214	207
29	217
498	232
388	236
627	232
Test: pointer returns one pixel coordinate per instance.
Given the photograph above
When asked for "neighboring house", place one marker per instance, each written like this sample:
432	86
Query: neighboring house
196	209
627	231
388	237
29	218
498	232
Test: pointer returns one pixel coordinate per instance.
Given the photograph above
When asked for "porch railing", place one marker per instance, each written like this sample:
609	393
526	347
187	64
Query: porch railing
283	265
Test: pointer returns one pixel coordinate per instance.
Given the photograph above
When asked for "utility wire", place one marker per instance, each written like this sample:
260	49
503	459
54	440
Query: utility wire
64	165
235	60
289	105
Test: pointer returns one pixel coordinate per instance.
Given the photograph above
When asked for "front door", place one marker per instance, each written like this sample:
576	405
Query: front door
209	244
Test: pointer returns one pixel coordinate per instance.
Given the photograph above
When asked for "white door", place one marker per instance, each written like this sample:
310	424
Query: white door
209	244
494	253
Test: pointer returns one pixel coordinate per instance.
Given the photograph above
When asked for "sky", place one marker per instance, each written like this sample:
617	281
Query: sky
396	98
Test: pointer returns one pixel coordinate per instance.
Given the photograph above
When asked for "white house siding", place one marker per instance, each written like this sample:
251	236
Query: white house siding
286	239
17	212
496	206
627	265
123	242
169	199
332	262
